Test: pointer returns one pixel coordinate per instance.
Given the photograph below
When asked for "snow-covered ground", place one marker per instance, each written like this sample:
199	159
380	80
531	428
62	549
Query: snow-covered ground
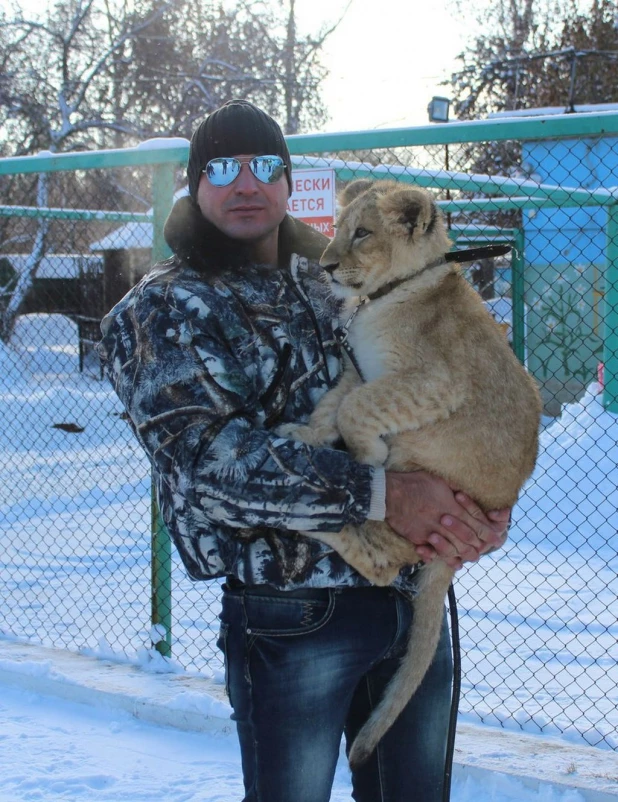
81	728
538	633
55	749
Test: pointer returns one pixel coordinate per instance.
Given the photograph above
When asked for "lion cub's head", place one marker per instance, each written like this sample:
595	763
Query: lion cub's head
385	231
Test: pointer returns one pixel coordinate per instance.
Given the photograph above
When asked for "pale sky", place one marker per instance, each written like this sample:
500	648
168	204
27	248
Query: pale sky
386	59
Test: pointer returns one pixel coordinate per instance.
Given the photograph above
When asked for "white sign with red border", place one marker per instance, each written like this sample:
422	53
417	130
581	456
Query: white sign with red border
313	198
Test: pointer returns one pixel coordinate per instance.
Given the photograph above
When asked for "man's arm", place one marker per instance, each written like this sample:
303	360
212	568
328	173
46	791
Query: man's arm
198	413
441	522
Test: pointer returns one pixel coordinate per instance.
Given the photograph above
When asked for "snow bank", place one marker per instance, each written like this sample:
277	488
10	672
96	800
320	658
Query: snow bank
574	488
44	345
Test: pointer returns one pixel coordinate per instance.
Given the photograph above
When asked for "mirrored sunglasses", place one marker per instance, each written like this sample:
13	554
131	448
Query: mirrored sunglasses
221	172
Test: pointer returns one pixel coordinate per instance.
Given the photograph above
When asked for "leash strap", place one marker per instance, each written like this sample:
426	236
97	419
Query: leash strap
349	350
472	254
341	335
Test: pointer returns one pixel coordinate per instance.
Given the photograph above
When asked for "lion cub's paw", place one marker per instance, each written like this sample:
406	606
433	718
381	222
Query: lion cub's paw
307	434
370	452
295	431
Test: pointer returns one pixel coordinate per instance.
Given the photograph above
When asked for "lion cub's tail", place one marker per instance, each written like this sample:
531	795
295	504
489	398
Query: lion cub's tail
422	643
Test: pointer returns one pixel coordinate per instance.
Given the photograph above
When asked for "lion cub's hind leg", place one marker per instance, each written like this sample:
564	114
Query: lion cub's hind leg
373	549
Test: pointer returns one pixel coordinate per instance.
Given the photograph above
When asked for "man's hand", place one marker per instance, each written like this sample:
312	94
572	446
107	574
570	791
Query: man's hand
441	522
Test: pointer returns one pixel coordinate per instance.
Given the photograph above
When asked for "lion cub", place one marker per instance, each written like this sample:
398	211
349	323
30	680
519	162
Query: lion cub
441	391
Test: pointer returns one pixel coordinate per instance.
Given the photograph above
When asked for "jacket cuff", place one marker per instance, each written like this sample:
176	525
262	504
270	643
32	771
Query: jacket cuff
377	508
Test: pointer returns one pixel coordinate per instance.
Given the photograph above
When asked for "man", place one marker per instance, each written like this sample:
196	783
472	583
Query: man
209	353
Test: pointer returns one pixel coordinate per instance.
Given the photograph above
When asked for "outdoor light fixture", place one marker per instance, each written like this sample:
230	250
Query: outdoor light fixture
438	109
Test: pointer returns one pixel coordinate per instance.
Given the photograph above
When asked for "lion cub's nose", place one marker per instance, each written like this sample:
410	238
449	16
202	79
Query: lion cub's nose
329	266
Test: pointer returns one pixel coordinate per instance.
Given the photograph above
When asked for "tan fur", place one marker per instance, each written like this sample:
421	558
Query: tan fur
443	392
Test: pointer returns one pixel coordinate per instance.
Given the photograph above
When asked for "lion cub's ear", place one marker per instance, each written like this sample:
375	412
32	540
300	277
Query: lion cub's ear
407	212
353	190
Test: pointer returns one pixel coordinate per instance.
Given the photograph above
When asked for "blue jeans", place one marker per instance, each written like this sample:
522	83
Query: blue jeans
305	667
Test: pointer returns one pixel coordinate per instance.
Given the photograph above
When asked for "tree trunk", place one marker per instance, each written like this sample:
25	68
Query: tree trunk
291	123
24	282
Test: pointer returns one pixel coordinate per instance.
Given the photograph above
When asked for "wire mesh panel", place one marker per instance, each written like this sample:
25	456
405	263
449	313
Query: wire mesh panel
538	633
75	507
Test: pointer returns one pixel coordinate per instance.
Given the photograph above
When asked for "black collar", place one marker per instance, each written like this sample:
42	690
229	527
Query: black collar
386	288
470	255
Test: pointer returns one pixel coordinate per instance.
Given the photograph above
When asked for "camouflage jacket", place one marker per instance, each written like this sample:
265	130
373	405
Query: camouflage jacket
208	353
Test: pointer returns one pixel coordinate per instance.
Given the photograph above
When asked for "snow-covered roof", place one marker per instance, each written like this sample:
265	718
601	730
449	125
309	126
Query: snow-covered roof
131	235
57	265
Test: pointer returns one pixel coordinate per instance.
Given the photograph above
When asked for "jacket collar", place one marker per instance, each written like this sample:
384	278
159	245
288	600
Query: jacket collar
202	246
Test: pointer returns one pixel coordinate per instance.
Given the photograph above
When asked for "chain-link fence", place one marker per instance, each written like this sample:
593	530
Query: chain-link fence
77	230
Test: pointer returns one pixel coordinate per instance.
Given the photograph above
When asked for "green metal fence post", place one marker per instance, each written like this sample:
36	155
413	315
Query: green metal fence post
161	576
161	557
610	351
519	320
162	200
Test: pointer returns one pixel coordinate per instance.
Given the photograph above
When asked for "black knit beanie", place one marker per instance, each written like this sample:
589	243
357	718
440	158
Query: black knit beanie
237	127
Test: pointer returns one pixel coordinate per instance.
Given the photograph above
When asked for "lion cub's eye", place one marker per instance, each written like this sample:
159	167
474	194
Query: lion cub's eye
361	232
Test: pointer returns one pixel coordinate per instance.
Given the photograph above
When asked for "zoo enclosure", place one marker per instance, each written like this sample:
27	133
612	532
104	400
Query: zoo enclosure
559	297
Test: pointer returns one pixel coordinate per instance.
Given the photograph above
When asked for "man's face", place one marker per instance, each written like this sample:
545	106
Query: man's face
246	209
